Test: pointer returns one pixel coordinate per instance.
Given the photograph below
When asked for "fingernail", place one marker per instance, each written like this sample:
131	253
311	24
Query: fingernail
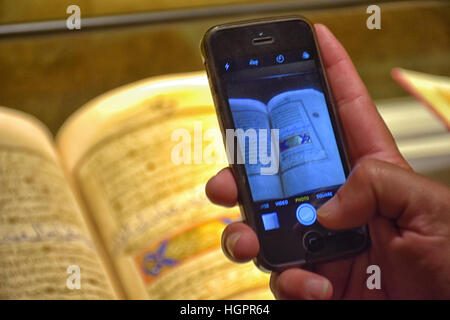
316	289
328	208
231	241
323	212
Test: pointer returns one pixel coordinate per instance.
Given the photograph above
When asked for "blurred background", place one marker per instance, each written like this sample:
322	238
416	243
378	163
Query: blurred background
49	71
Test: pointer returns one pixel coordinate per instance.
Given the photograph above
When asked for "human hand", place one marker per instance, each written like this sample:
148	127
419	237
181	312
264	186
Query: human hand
407	215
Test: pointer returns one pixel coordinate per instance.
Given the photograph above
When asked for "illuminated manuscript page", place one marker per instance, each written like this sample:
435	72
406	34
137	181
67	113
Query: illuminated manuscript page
124	150
42	229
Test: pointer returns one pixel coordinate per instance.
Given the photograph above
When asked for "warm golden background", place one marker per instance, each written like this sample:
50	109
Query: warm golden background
51	75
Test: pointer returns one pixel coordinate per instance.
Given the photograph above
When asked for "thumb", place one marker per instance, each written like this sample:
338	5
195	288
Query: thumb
374	188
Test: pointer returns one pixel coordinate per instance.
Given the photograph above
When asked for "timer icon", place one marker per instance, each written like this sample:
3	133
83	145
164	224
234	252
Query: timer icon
280	58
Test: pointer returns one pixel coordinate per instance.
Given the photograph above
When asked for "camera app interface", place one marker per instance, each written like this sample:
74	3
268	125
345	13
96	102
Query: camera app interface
284	133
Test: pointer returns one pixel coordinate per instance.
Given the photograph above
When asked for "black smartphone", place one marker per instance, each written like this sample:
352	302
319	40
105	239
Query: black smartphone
283	137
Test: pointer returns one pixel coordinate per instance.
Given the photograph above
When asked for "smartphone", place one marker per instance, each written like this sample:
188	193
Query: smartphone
282	136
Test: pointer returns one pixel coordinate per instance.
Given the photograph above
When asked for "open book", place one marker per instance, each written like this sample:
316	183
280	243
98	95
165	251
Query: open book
308	156
105	199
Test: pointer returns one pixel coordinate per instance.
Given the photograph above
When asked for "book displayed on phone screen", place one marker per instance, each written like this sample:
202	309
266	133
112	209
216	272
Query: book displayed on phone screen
306	143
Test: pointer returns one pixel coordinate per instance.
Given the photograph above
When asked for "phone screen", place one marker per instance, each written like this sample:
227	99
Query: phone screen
285	135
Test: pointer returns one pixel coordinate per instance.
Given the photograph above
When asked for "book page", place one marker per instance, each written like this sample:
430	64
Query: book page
46	251
252	114
141	156
308	153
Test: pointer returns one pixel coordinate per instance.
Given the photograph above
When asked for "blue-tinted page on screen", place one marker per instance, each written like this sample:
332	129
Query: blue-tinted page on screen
309	157
253	114
308	154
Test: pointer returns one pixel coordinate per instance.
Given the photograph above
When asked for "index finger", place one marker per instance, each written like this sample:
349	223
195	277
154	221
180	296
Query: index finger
365	130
